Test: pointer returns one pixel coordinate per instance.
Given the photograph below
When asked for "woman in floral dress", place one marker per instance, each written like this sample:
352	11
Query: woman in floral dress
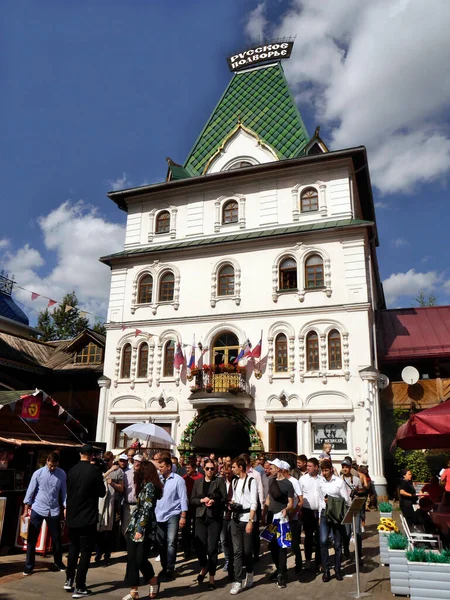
141	531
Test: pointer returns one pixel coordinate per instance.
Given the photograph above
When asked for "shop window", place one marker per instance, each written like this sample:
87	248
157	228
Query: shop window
169	356
167	287
163	222
142	370
226	281
90	354
312	351
314	272
125	370
309	200
334	350
288	274
145	289
230	212
281	353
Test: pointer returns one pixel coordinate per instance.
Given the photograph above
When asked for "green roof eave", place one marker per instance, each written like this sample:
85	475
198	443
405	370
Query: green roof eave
237	237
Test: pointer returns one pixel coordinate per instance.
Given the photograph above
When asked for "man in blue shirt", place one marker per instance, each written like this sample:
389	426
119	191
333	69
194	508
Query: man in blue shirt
170	513
45	495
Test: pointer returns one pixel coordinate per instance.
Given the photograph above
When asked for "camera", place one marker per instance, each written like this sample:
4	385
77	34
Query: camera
235	507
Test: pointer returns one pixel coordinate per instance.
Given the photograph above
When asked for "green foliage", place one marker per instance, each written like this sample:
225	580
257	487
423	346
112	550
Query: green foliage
397	541
385	507
422	555
413	460
99	327
61	324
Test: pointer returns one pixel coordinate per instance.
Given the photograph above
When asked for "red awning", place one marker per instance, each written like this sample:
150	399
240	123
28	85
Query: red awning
429	428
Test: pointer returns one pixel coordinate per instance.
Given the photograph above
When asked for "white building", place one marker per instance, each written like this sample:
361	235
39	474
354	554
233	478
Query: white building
261	230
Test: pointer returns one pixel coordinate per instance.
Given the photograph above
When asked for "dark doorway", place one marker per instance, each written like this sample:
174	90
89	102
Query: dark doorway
286	437
223	436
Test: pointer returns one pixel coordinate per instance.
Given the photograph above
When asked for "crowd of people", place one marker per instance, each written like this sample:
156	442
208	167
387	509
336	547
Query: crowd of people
213	503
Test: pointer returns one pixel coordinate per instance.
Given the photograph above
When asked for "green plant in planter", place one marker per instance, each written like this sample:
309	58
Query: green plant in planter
422	555
397	541
417	555
385	507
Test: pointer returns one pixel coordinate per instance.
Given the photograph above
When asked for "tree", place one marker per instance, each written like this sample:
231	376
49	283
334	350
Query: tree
422	299
99	327
65	322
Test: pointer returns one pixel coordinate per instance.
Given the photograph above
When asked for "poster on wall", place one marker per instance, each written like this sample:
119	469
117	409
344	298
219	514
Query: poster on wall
333	433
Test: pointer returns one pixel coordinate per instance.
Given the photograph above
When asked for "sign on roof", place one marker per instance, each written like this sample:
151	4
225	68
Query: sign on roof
260	54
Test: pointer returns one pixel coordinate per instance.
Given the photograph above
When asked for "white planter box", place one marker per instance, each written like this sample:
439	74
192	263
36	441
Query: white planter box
386	515
429	581
398	572
384	554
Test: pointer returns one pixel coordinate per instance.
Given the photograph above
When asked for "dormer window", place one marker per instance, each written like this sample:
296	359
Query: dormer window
230	212
239	165
162	222
90	354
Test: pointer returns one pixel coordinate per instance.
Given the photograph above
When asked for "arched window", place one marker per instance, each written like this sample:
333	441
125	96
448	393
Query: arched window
226	281
312	351
288	274
334	350
230	212
225	348
125	370
166	287
240	164
281	353
142	370
163	222
314	272
169	356
145	289
309	200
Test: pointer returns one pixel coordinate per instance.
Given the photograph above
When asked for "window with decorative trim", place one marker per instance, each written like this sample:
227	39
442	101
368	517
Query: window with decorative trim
121	440
288	274
166	287
281	353
312	352
125	369
142	366
225	278
314	272
162	224
334	350
90	354
309	200
230	212
168	359
145	292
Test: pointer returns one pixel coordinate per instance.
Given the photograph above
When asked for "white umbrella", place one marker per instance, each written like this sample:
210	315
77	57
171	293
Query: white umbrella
148	432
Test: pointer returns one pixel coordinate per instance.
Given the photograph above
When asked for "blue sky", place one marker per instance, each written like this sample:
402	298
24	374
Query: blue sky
97	93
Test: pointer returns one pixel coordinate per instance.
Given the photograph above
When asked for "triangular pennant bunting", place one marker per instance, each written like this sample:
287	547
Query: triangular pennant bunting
83	313
12	406
137	332
51	303
68	418
34	295
60	411
123	327
53	402
68	308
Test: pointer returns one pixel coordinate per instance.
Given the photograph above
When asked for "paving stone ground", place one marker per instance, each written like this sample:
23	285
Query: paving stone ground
107	582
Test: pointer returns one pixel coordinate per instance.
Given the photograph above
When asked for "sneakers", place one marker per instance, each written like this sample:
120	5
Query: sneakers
273	576
339	576
248	581
158	558
59	566
281	582
28	572
236	588
68	586
225	567
81	593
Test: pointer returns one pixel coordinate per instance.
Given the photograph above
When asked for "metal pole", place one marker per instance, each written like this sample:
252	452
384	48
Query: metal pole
358	590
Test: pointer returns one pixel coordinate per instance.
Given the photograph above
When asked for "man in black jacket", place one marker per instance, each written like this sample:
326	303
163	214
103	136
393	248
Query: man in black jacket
84	487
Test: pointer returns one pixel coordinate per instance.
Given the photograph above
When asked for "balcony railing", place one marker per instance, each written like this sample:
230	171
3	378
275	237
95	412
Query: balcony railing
222	383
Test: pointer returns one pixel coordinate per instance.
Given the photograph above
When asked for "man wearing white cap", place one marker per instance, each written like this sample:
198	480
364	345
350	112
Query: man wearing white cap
294	520
279	503
129	492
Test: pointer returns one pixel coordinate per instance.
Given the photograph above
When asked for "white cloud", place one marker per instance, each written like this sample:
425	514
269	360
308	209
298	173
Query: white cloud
4	243
399	242
377	74
409	284
78	236
256	23
121	183
380	204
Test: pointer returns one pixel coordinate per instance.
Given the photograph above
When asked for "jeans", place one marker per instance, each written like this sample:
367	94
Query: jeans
137	553
82	541
242	548
34	527
279	557
207	533
325	528
227	545
296	528
311	529
166	538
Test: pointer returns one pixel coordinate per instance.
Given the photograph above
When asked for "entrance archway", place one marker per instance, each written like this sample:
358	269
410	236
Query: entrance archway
218	429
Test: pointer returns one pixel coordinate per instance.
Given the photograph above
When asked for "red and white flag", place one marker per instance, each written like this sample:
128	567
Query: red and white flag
256	352
179	357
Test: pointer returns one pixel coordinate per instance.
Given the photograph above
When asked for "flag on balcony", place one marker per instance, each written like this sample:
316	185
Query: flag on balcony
179	357
244	351
256	352
192	358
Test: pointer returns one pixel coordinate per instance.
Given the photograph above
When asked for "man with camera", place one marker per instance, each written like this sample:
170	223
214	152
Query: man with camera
243	510
355	488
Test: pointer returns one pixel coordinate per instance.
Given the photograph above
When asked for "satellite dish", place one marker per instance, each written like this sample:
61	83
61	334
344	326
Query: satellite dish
410	375
383	381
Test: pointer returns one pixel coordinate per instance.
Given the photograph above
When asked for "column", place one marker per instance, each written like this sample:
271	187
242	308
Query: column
300	437
103	383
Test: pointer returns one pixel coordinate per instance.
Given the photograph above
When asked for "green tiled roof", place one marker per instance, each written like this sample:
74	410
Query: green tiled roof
260	100
239	237
178	172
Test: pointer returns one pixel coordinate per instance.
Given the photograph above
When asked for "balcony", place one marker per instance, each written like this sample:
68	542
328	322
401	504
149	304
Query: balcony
220	385
423	394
